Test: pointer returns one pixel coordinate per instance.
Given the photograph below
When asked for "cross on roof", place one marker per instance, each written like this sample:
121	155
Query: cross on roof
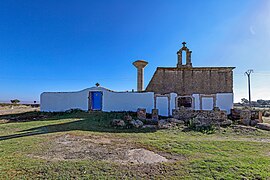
184	44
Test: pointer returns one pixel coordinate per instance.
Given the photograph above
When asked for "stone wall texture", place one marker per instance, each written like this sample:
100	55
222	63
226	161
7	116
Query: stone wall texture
187	114
192	80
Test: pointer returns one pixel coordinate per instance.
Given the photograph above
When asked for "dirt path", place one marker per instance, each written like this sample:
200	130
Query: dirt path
70	147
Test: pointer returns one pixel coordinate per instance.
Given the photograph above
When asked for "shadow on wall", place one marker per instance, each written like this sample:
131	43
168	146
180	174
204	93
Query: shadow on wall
94	121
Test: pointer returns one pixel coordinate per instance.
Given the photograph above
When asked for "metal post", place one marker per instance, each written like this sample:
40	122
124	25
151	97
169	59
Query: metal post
248	72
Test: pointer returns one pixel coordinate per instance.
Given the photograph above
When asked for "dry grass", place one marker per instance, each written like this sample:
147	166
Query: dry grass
16	109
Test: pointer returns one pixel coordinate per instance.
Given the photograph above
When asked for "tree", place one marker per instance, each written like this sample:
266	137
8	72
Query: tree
15	101
244	101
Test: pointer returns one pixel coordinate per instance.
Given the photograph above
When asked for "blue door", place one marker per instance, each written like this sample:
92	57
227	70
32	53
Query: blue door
96	98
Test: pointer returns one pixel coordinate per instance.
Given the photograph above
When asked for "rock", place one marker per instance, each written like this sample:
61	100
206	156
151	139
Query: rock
245	122
141	113
243	129
266	114
254	122
177	121
136	123
163	124
149	126
127	118
118	122
263	126
155	114
226	123
245	114
235	114
151	121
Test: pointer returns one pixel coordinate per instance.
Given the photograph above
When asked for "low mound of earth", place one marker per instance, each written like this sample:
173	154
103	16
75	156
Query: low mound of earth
70	147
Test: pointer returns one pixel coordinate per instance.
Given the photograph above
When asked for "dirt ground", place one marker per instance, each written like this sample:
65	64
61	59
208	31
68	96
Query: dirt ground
71	147
10	109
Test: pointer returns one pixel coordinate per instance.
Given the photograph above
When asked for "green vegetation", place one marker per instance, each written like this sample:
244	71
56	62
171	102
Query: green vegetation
205	129
226	154
15	101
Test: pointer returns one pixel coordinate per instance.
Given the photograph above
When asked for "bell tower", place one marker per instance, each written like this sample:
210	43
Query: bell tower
188	56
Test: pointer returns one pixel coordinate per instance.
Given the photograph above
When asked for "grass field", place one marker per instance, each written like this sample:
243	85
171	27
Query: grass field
79	145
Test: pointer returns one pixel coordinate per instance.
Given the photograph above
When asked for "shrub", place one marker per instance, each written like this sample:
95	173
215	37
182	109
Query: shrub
195	125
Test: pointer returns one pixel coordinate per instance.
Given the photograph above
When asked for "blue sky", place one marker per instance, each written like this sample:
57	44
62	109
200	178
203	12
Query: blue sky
64	45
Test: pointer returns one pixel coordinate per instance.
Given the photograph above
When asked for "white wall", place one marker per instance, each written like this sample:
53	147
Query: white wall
225	101
127	101
63	101
196	98
124	101
162	105
173	103
111	101
207	103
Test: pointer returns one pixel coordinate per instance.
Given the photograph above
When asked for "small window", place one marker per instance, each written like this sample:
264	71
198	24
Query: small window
185	101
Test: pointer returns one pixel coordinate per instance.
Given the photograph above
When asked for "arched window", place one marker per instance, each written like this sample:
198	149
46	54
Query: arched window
184	101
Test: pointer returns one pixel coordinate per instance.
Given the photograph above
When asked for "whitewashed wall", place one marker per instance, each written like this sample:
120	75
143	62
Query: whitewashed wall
173	103
123	101
62	101
111	101
162	105
196	98
225	101
127	101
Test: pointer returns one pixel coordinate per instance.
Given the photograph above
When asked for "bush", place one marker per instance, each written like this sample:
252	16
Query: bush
15	101
195	125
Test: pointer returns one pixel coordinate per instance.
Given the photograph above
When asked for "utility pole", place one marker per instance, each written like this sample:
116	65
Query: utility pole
248	72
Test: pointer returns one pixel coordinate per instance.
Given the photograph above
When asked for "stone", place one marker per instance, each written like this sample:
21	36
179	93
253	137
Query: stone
164	124
226	123
235	114
167	80
140	64
245	114
255	114
118	122
136	123
267	114
254	122
127	118
177	121
155	114
245	122
149	126
243	129
151	122
141	113
263	126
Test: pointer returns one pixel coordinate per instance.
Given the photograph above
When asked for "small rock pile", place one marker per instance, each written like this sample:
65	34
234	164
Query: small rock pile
250	118
118	123
170	123
143	122
130	123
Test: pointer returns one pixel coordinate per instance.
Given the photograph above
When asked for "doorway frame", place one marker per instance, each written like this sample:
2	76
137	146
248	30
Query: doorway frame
90	107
